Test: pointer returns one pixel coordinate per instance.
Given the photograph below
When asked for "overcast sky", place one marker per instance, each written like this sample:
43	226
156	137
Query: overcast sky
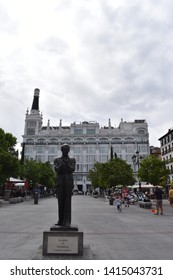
91	59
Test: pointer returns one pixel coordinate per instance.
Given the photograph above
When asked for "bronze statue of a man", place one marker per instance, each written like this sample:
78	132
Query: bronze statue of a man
64	167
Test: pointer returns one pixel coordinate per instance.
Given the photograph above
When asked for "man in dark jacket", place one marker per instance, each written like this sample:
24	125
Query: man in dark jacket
64	167
158	195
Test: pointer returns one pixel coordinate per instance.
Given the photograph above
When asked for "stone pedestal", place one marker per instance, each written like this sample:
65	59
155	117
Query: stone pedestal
63	241
64	228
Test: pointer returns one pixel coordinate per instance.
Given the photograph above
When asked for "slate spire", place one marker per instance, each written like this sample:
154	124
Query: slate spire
35	104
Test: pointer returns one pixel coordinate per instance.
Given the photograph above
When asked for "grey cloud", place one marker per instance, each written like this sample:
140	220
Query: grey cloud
121	68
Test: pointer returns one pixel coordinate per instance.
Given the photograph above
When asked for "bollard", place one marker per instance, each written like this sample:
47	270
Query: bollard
111	201
36	198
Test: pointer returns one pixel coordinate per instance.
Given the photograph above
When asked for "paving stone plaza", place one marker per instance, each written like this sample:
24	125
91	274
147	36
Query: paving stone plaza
135	233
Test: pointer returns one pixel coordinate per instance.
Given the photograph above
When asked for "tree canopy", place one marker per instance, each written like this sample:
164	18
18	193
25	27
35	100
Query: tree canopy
112	173
7	142
9	164
38	173
153	170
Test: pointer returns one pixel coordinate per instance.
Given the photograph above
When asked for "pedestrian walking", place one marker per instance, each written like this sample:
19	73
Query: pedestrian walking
159	204
118	204
171	196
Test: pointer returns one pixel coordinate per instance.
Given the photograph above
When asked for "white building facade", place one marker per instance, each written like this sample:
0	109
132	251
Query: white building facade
89	142
166	145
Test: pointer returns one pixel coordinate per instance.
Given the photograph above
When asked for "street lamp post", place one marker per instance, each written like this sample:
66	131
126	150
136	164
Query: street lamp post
136	158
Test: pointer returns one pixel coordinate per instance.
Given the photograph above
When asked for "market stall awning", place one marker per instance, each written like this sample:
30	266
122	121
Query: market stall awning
19	184
15	180
147	186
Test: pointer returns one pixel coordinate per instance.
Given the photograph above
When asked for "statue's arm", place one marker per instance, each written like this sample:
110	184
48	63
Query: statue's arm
57	165
72	164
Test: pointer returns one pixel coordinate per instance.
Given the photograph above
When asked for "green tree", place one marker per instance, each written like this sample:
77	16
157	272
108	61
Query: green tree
9	163
47	175
9	166
153	170
30	170
94	175
98	175
7	142
112	173
38	173
120	173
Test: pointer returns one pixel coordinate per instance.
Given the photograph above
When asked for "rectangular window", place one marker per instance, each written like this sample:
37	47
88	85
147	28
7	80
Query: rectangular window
103	150
28	150
130	149
40	150
116	150
78	177
79	158
90	158
30	131
142	139
88	167
31	124
51	150
51	159
90	150
78	131
91	131
143	149
78	167
103	158
78	150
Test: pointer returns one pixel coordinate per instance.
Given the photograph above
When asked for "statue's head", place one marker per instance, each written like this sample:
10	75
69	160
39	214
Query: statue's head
65	148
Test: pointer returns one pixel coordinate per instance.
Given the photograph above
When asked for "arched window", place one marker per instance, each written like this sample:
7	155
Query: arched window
129	140
53	141
65	140
116	140
90	140
104	140
78	140
141	131
41	141
30	141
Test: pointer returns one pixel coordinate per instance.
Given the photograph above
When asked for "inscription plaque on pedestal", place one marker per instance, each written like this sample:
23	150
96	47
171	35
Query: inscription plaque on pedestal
62	243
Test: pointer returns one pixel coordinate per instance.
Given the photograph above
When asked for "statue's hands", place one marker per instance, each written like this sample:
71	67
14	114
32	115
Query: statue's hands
64	167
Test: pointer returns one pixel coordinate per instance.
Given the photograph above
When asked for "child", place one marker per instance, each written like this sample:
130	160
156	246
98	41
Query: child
126	202
118	203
